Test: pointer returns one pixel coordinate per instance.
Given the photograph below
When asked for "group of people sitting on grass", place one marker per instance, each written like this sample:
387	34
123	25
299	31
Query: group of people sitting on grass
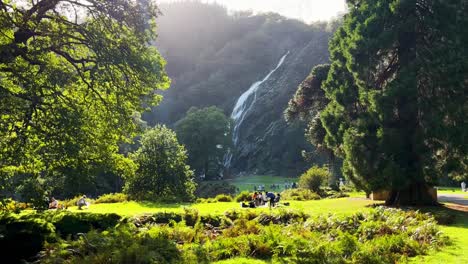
262	199
54	203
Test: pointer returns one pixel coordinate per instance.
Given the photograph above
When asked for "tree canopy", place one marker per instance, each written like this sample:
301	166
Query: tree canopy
206	133
72	76
162	172
397	91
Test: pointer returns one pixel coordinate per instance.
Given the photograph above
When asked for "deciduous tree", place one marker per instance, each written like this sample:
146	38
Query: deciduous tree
162	172
206	133
72	75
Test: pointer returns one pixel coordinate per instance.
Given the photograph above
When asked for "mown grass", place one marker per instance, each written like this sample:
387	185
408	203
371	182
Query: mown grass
340	206
452	190
247	183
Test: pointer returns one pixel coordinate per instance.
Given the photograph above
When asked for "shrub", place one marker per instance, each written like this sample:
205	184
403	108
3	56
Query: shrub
335	194
314	178
120	245
162	169
73	201
208	189
112	198
212	220
191	216
223	198
299	195
74	223
22	238
12	206
166	217
244	196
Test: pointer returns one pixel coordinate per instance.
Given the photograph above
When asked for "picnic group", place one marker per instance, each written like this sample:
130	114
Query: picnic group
54	203
262	199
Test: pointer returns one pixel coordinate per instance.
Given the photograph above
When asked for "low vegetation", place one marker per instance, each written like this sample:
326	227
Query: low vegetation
379	236
314	178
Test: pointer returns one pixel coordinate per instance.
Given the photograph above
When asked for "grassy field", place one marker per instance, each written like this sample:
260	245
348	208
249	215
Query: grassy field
247	183
451	190
340	206
455	252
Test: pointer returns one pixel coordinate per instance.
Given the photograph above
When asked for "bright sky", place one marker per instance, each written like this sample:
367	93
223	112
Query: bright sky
305	10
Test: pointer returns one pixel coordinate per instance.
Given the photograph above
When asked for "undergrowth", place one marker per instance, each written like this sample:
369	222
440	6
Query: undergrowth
286	236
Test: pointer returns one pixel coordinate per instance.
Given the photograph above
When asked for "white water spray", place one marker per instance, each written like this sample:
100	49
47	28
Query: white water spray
244	105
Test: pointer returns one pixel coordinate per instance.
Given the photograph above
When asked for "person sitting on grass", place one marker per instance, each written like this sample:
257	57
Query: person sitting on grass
82	202
54	204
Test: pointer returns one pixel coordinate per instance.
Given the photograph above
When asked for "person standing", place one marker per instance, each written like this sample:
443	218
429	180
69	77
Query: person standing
463	186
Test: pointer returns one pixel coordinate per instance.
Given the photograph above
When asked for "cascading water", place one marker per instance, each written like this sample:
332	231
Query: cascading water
244	105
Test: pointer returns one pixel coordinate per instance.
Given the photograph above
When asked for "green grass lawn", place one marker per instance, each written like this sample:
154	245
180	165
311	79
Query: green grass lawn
247	183
342	205
451	190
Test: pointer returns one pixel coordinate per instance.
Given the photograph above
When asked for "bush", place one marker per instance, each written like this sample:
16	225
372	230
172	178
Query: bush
223	198
162	171
244	196
208	189
112	198
12	206
23	237
191	216
335	194
74	223
299	195
121	245
73	201
314	178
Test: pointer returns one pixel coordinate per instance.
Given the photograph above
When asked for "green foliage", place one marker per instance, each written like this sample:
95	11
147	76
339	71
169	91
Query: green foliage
70	87
243	196
23	238
112	198
162	171
211	189
381	117
299	195
223	198
74	223
122	245
314	178
11	206
381	235
206	133
74	201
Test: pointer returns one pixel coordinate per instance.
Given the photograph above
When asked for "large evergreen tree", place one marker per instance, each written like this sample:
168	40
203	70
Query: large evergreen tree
72	76
397	90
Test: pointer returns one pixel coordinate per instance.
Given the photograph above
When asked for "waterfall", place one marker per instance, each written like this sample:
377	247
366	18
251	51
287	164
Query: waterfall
244	105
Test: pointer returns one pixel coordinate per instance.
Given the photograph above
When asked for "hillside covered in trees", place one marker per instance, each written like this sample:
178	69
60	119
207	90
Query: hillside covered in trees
214	57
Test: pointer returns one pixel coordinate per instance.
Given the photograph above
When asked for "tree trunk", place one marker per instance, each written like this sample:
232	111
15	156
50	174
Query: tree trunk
416	194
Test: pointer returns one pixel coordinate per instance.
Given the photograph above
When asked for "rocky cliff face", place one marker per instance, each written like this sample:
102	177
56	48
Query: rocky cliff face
266	143
213	58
